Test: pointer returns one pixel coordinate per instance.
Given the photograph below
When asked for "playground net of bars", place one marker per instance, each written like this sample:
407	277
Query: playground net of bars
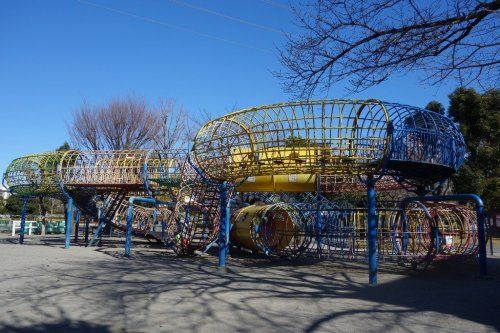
330	137
132	170
340	137
34	175
417	233
336	143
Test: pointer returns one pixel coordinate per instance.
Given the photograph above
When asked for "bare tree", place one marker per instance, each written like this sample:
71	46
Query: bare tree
124	123
174	125
84	129
367	41
201	118
130	123
204	115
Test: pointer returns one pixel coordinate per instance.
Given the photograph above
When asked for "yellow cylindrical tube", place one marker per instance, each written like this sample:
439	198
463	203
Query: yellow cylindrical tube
269	228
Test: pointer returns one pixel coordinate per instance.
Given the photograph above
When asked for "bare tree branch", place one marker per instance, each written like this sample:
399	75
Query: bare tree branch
174	130
131	123
124	123
365	42
84	129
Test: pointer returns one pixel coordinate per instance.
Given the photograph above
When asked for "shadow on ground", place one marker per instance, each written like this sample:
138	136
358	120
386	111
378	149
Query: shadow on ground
158	291
64	326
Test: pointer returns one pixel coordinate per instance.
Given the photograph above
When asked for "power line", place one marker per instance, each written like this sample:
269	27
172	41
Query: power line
276	4
228	17
173	26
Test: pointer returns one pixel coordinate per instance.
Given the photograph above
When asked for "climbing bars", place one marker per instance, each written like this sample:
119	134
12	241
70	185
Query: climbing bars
326	137
34	175
330	137
111	170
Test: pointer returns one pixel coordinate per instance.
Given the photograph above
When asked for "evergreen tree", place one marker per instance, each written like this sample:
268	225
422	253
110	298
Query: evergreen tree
65	146
478	116
435	106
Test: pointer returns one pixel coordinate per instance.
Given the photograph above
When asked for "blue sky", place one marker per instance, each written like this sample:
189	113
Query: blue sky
55	53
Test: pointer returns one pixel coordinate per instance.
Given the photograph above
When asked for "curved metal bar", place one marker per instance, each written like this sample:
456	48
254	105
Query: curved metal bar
331	137
117	170
481	230
422	141
322	137
199	172
34	175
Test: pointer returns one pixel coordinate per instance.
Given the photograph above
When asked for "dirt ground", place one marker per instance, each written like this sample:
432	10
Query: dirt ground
45	288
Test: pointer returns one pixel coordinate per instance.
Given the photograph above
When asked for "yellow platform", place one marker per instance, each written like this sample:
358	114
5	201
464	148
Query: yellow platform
279	183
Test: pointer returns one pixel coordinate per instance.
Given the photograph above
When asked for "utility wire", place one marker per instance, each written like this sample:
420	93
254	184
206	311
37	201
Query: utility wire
228	17
173	26
276	4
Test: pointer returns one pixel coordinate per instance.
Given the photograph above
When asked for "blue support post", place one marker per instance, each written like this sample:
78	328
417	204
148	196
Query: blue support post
155	220
69	218
437	239
77	223
228	221
319	218
130	218
23	220
224	226
163	230
128	232
483	268
372	233
98	231
490	233
87	228
406	236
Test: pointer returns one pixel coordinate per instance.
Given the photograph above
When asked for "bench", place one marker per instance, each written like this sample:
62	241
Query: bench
29	225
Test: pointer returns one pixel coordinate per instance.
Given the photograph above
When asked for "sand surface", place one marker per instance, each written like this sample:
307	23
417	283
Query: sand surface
45	288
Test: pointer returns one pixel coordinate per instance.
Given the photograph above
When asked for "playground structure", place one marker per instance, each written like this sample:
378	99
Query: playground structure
269	180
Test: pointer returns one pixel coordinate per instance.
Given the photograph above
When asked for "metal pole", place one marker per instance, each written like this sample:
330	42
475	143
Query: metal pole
483	270
23	219
372	233
69	218
319	219
163	229
490	235
130	218
437	239
224	226
97	232
406	235
77	223
100	227
155	220
128	232
87	227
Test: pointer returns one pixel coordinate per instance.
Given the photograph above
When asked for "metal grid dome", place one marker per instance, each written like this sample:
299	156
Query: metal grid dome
424	144
323	137
34	175
330	137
